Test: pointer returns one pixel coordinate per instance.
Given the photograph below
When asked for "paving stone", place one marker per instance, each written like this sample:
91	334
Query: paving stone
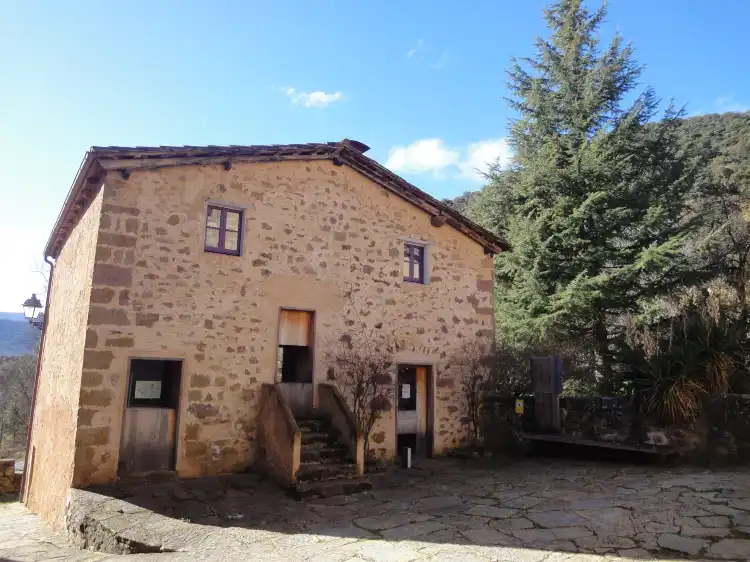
604	543
714	521
744	505
389	521
568	533
704	532
660	528
608	517
556	519
412	530
730	549
438	502
535	535
523	502
387	552
491	511
485	536
723	510
513	524
681	544
635	554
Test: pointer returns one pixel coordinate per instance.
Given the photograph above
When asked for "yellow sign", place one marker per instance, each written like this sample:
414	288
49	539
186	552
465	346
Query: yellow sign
519	406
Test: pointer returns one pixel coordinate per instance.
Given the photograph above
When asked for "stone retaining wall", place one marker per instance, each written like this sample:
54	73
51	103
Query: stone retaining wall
720	434
8	480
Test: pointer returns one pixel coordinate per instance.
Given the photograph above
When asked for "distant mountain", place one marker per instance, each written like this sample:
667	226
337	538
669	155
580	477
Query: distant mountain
15	316
16	337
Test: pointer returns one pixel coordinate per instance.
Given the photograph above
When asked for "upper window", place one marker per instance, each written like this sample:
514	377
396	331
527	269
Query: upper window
223	230
414	263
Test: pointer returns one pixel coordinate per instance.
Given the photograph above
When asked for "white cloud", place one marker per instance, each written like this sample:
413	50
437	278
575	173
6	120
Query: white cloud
480	156
444	59
422	156
313	99
432	156
728	103
415	48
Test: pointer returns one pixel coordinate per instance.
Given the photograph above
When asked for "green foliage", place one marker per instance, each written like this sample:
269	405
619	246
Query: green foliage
460	203
610	209
595	205
16	392
672	364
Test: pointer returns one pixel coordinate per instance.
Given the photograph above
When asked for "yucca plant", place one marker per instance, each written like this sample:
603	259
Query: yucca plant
674	363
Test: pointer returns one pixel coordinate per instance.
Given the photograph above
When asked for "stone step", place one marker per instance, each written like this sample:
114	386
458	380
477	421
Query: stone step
328	488
325	471
323	452
310	437
314	425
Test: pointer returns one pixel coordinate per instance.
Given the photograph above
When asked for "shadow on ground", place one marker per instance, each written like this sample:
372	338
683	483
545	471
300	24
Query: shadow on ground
485	508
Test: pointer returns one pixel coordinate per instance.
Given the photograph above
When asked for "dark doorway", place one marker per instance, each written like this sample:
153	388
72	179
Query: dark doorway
294	360
150	419
414	415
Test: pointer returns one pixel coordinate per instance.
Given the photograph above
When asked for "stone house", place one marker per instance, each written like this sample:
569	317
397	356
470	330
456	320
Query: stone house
193	288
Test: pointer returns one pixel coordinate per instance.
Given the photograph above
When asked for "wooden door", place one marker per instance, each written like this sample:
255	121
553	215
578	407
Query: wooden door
414	410
295	360
147	441
149	420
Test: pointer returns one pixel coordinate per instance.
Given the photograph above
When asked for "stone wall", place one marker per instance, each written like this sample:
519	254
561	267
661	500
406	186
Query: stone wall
312	230
53	445
720	434
8	480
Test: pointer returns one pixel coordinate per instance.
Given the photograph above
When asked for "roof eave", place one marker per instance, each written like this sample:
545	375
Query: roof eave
50	249
98	160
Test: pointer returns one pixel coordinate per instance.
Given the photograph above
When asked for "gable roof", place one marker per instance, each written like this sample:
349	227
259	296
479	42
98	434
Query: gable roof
100	159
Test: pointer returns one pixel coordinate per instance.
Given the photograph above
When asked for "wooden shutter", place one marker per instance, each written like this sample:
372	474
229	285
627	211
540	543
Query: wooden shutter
296	327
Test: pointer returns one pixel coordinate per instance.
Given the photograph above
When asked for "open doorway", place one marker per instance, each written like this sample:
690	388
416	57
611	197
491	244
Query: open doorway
414	410
150	419
294	359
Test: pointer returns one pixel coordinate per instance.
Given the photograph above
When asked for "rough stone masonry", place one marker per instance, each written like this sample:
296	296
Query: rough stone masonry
133	280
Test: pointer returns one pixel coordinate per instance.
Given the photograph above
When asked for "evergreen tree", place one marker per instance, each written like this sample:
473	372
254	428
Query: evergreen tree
595	204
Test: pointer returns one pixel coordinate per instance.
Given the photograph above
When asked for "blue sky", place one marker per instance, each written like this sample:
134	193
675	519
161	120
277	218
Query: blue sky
421	82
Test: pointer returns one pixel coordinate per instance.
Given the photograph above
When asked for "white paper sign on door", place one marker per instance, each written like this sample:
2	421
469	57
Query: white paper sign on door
405	391
147	390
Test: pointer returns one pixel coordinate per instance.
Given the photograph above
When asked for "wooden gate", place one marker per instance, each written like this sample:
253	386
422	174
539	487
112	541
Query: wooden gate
546	375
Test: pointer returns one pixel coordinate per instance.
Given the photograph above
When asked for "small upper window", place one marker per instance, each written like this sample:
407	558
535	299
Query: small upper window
414	263
223	230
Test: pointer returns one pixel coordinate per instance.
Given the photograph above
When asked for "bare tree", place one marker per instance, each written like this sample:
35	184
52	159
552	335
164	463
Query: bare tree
361	363
16	389
477	362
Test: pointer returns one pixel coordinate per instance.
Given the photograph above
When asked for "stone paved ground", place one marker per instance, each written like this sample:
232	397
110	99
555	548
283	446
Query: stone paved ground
534	510
25	538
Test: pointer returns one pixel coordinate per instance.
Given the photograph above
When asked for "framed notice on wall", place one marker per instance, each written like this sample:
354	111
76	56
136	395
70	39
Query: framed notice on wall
147	390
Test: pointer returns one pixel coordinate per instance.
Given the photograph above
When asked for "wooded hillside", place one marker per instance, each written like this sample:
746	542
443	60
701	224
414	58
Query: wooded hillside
722	138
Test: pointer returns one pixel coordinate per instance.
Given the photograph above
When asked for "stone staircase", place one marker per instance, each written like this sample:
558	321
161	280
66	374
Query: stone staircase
326	465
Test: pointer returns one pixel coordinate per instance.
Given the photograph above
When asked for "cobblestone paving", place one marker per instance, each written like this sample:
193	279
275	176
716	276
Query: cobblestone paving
534	511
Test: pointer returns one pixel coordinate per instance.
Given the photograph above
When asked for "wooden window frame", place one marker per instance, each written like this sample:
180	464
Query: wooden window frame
223	209
411	248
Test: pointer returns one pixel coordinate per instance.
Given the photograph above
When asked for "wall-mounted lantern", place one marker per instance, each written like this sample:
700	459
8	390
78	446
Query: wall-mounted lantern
32	311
